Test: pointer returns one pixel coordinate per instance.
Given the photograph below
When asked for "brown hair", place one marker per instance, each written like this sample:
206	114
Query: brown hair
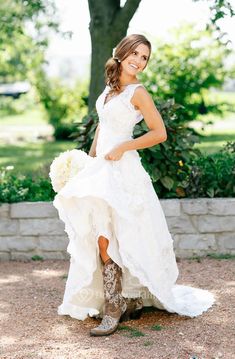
123	49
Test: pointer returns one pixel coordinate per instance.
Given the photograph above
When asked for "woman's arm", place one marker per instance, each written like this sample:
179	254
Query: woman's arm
92	151
157	131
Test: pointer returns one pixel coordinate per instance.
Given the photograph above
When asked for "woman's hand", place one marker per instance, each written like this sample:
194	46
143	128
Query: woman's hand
115	154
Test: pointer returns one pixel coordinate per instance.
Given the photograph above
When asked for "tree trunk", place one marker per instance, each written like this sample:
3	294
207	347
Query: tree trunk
108	25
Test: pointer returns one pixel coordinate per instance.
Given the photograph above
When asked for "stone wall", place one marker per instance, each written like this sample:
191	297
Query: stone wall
198	227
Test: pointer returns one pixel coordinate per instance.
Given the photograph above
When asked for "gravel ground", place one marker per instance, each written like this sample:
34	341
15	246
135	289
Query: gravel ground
31	328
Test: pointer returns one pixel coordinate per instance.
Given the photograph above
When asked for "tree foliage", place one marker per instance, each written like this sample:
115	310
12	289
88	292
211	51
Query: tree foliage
16	14
24	27
63	103
186	68
109	24
177	77
219	9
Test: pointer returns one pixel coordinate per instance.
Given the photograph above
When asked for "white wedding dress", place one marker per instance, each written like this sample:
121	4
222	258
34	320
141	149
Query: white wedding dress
116	199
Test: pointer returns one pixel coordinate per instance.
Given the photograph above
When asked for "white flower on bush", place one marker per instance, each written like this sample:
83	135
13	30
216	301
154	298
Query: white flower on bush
66	166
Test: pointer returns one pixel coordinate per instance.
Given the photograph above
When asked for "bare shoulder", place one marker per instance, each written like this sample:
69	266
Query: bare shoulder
141	97
140	91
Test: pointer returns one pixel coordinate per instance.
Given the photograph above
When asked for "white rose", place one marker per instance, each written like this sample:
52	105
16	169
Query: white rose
66	166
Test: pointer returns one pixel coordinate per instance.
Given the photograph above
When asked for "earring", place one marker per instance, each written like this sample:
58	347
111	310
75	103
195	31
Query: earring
115	58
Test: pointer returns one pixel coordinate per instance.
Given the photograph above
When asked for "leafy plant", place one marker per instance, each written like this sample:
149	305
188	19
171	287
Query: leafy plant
19	188
167	162
63	104
211	175
185	67
37	258
132	332
157	327
221	256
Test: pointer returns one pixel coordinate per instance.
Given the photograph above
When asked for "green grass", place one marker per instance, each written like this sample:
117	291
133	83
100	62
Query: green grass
131	332
30	117
157	327
222	130
220	256
148	343
215	137
32	157
37	258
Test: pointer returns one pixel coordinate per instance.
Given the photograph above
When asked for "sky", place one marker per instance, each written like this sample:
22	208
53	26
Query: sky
154	18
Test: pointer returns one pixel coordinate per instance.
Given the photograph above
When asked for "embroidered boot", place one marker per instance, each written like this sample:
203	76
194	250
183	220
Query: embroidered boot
134	309
115	305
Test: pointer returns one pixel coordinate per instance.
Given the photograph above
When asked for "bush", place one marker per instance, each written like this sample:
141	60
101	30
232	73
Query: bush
63	103
212	175
177	169
19	188
11	106
167	162
203	176
186	67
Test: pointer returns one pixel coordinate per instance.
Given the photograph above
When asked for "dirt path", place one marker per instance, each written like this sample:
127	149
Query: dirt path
31	328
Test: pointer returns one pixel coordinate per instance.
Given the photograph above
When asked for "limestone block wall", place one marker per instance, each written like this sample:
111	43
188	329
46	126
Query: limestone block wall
198	227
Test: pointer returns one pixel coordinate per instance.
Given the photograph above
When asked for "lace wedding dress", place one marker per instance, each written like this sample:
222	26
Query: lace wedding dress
116	199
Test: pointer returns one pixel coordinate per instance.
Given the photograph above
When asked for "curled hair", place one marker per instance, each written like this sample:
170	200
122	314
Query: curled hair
124	48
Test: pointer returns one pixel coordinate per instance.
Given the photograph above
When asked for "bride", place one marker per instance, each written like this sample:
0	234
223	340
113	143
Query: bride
122	256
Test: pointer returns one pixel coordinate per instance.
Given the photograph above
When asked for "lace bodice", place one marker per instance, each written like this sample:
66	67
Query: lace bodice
117	118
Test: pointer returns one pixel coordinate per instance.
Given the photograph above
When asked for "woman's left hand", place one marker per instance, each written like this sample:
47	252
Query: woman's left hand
115	154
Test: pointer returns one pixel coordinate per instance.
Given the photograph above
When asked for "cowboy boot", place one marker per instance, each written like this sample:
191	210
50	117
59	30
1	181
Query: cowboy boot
114	305
134	309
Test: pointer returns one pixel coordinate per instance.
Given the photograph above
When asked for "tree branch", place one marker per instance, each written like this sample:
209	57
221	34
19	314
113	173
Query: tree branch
125	14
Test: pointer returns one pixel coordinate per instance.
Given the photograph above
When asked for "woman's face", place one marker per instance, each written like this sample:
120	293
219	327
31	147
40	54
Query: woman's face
137	60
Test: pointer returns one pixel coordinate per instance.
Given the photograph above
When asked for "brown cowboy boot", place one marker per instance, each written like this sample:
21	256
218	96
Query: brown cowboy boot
134	309
115	305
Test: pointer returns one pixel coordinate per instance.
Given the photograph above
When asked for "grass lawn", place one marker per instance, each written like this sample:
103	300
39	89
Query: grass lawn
37	156
222	130
27	157
34	116
32	157
213	143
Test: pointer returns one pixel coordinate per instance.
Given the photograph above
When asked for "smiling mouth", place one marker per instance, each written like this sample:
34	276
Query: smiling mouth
134	66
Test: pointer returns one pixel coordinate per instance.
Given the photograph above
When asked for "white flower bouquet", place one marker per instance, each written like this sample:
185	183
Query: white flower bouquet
66	166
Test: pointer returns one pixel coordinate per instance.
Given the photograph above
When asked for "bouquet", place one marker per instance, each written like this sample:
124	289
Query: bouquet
66	166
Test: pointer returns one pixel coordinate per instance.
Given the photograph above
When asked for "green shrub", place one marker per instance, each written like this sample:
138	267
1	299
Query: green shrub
19	188
167	162
186	67
15	106
177	169
63	104
212	175
199	176
85	131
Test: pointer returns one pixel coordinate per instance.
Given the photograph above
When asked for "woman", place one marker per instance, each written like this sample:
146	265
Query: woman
122	255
